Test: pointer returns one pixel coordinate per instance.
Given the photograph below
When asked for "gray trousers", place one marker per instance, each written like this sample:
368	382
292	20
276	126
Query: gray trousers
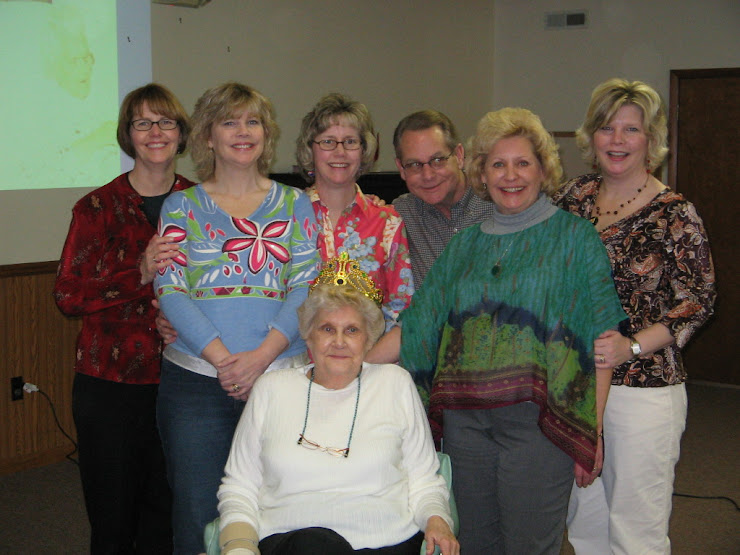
511	483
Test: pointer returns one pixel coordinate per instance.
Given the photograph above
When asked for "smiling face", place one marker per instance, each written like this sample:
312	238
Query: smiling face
338	343
621	145
338	167
154	147
441	188
237	141
513	175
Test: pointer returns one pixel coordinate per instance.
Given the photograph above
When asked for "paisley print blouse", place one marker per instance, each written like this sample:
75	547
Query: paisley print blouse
663	273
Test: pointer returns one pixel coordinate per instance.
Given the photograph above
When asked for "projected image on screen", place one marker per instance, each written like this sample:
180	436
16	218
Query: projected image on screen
58	93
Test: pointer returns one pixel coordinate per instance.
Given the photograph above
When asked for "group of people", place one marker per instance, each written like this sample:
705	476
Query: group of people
538	328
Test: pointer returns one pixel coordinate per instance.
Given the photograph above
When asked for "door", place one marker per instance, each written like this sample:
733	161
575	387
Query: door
704	120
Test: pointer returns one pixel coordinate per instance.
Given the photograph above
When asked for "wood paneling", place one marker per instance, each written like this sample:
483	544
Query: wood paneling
38	343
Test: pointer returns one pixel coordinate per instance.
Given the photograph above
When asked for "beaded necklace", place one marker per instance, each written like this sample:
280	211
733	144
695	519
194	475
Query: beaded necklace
308	444
615	212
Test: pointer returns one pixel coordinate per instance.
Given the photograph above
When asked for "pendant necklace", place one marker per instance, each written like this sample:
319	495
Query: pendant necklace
305	442
496	270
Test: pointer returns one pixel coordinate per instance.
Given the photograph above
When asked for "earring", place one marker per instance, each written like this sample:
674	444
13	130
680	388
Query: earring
485	186
311	173
647	165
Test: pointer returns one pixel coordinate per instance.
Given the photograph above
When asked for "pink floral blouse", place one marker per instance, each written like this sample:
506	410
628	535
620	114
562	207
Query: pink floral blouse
376	237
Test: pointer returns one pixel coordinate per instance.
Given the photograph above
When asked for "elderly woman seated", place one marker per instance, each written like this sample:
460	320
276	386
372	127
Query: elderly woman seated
335	457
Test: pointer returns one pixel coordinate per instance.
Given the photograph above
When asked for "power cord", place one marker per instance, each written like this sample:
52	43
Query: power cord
32	388
737	508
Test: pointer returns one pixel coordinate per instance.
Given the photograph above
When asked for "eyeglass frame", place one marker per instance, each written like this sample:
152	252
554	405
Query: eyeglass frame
337	143
418	167
157	123
313	446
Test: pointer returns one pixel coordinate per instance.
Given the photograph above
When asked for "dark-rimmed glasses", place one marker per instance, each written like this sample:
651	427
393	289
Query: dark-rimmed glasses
313	446
436	163
331	144
164	124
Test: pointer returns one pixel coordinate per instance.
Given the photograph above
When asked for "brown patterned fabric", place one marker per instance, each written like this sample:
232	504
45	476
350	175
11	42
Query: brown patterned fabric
663	273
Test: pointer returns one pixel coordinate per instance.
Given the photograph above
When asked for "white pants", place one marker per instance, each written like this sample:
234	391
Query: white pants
626	511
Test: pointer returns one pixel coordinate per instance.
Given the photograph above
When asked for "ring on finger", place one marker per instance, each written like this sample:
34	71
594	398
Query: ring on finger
235	387
602	358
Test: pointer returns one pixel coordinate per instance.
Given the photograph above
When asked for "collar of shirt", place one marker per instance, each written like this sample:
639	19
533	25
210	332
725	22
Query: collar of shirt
360	203
457	212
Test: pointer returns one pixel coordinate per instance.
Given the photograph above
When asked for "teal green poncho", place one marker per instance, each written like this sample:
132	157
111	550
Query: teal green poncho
475	340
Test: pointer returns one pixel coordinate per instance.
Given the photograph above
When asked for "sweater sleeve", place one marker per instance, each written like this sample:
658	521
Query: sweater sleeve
172	285
428	493
90	277
305	261
240	486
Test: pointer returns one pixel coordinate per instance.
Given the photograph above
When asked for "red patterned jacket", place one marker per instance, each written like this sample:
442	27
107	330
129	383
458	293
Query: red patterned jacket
99	279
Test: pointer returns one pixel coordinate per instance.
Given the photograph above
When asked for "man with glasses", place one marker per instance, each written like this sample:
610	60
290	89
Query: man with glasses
430	158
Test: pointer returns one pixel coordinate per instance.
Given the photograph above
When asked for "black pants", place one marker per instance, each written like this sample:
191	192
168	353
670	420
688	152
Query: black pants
122	467
322	541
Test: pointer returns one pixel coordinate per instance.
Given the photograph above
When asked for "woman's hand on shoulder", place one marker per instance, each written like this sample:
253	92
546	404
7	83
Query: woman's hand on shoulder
157	256
376	200
438	533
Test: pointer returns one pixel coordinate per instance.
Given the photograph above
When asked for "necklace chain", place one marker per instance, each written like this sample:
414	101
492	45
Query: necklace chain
622	205
302	437
497	267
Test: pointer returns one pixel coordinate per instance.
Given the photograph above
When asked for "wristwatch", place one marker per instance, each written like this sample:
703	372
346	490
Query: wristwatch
635	347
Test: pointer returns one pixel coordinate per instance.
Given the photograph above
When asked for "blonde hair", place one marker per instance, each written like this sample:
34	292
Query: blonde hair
331	297
219	104
335	109
607	98
513	122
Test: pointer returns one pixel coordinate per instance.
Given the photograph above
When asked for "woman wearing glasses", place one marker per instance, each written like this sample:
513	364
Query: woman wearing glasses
336	145
105	275
247	252
336	456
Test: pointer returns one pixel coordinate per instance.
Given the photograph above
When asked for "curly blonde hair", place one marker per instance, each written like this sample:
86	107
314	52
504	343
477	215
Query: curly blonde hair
335	109
513	122
219	104
607	98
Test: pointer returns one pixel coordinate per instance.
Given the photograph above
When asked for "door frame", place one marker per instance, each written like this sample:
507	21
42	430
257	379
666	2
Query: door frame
676	76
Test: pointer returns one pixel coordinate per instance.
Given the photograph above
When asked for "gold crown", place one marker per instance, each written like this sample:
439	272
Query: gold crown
343	270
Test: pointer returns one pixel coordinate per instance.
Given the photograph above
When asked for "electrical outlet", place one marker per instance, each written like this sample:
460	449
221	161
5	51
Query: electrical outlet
16	388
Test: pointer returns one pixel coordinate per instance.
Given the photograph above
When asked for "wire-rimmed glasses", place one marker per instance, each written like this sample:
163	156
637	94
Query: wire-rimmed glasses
436	163
313	446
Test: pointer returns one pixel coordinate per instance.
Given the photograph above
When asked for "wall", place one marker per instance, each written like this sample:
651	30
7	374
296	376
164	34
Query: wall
553	72
396	57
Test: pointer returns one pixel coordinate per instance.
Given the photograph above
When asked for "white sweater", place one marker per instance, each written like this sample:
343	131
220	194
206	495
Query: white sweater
380	495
